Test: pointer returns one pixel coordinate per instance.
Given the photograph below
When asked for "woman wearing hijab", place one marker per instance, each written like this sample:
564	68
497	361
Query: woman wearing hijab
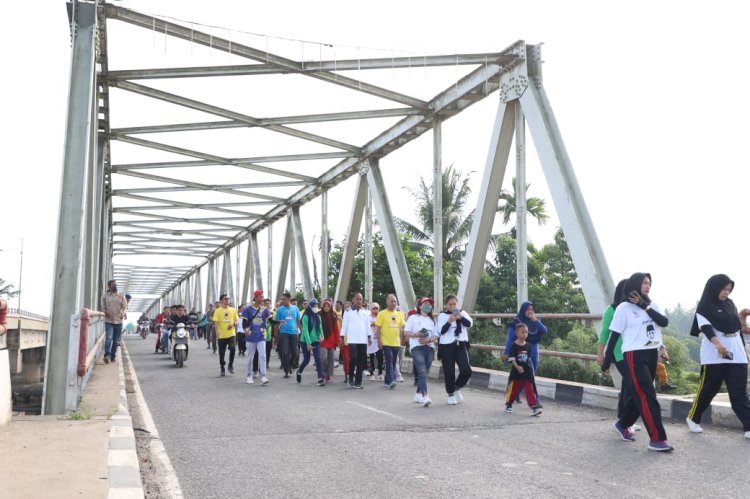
723	357
420	329
329	321
453	325
607	316
527	316
637	320
312	333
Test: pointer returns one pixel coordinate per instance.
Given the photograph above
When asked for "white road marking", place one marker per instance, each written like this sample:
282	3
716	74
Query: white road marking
373	409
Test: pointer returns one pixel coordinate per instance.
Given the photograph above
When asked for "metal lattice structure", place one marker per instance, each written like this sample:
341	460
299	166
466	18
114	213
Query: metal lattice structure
147	209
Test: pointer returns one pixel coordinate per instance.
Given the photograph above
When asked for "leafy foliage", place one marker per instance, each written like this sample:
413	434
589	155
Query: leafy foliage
7	289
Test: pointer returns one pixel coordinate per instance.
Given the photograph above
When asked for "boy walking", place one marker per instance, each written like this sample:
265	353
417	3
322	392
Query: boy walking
522	372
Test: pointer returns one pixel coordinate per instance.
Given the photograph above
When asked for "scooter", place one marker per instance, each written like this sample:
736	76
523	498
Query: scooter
143	330
179	344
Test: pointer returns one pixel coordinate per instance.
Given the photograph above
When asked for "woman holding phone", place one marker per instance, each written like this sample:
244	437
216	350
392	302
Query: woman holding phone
453	326
420	330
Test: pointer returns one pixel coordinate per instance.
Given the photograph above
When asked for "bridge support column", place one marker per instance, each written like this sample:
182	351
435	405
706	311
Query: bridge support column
32	365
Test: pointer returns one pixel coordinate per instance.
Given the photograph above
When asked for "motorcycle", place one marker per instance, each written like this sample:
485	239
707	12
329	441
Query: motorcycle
143	330
179	344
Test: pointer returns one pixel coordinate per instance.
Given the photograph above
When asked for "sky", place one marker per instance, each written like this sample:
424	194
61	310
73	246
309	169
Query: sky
649	96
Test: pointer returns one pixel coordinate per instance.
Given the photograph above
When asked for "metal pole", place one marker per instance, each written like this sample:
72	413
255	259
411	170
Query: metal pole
270	262
324	245
67	296
368	248
437	210
299	244
522	274
391	240
249	271
256	261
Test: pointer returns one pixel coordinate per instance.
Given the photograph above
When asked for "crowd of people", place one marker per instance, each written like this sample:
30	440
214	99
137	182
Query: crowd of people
371	343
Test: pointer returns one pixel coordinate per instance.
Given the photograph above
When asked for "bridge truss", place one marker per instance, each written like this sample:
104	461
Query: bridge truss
115	212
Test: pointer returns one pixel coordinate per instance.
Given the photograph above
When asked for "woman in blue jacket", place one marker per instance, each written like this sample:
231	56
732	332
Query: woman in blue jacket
527	316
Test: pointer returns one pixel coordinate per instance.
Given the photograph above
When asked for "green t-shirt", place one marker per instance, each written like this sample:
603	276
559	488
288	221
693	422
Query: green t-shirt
609	312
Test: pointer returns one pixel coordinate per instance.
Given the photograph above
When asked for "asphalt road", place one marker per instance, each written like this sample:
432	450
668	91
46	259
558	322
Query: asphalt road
229	439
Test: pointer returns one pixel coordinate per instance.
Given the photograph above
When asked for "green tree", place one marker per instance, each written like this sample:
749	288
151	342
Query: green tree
536	207
418	261
456	227
7	289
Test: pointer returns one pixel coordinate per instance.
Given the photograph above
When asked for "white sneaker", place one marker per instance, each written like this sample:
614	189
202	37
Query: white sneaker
452	400
635	427
426	401
459	397
263	380
747	435
400	379
693	426
249	380
380	377
418	398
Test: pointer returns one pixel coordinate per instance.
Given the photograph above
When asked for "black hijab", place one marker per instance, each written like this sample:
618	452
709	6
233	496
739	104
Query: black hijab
619	296
634	284
721	314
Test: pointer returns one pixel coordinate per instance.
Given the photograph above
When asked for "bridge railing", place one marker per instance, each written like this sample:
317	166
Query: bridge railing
86	340
14	312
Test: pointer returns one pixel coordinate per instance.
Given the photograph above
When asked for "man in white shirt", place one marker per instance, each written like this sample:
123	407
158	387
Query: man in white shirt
356	329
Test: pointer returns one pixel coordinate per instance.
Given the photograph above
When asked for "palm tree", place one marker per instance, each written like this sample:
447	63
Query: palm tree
456	228
534	206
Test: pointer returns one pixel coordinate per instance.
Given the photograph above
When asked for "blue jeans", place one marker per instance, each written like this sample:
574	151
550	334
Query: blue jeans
306	358
113	332
422	356
391	360
165	339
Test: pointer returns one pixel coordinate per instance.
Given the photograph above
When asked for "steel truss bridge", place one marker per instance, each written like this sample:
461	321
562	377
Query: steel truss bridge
115	211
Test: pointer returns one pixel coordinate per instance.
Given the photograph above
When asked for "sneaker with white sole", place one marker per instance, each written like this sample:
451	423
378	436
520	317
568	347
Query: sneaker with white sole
263	380
452	400
747	435
693	426
426	401
400	379
624	433
392	385
418	398
459	397
509	409
249	380
660	446
635	427
536	410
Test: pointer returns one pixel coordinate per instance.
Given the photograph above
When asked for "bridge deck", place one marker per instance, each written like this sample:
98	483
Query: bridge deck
226	438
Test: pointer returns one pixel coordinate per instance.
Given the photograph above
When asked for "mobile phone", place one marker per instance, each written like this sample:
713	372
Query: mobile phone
729	355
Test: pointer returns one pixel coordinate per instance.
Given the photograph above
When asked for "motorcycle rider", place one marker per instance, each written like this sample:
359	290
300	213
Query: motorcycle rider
143	320
192	323
162	317
179	317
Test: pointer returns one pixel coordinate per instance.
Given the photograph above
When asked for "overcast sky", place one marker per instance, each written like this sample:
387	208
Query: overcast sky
649	97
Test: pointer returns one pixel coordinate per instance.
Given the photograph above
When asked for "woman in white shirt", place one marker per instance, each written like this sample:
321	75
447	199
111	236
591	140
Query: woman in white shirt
420	330
723	356
637	319
453	326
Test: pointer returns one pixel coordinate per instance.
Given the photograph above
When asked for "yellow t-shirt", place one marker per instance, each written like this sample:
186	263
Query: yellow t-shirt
390	327
224	319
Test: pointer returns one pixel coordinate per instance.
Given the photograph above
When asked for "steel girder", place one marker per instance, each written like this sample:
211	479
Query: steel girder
215	236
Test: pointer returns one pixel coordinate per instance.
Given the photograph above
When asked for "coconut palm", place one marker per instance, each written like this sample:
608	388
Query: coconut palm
456	227
534	206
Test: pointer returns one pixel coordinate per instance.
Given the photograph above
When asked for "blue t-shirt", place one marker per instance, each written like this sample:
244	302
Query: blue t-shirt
256	322
289	314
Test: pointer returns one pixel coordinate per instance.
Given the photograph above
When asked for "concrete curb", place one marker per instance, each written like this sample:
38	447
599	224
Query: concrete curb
122	459
673	407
